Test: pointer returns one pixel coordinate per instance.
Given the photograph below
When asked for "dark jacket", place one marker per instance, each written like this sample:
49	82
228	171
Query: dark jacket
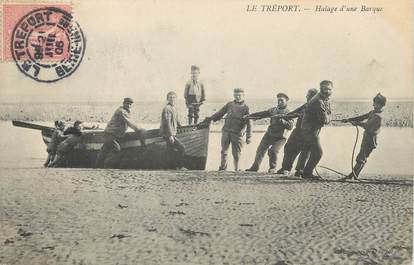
278	126
169	121
73	131
71	141
234	121
55	140
118	125
317	114
298	113
372	126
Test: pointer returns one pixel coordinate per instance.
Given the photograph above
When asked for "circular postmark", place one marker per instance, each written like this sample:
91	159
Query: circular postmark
47	44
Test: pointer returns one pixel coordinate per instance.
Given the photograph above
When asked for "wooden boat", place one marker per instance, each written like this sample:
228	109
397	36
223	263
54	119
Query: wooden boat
133	155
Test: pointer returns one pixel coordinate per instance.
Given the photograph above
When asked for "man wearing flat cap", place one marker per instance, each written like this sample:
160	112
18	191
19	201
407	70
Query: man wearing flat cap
317	114
275	136
293	145
114	131
372	127
235	127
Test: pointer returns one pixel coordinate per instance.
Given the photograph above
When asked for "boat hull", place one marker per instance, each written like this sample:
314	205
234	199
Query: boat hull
133	155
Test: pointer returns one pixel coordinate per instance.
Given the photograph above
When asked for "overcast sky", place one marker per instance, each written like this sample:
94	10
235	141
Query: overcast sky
145	49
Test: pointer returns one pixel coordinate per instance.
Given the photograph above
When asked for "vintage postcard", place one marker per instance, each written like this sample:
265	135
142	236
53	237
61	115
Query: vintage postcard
206	132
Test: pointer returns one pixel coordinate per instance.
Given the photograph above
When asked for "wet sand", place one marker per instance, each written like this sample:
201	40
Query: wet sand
82	216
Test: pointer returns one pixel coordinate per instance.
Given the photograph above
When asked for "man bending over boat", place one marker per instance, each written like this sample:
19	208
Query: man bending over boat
168	130
114	131
72	136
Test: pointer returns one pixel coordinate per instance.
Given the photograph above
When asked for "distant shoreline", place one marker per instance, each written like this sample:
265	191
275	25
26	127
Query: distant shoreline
396	113
342	100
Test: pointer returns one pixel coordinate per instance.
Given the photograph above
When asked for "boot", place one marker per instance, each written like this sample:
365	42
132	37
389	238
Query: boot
357	169
310	176
283	171
299	173
355	173
195	120
253	168
272	170
190	120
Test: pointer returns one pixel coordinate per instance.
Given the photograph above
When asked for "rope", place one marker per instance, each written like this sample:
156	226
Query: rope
317	173
352	158
353	151
333	170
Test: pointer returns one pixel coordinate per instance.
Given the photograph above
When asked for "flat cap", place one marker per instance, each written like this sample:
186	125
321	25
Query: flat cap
326	83
312	92
282	95
194	67
238	90
128	100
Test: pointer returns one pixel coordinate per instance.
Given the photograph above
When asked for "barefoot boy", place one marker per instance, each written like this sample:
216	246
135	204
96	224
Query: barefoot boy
235	127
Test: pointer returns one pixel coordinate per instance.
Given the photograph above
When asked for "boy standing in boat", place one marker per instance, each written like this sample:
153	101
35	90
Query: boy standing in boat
235	127
372	128
114	131
194	95
275	136
168	130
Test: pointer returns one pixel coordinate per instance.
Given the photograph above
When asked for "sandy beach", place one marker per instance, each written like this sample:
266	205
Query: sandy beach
82	216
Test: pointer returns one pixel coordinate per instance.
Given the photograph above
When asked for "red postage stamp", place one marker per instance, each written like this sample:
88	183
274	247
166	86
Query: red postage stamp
42	39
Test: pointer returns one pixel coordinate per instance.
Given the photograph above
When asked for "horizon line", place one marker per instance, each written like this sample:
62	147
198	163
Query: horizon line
212	100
